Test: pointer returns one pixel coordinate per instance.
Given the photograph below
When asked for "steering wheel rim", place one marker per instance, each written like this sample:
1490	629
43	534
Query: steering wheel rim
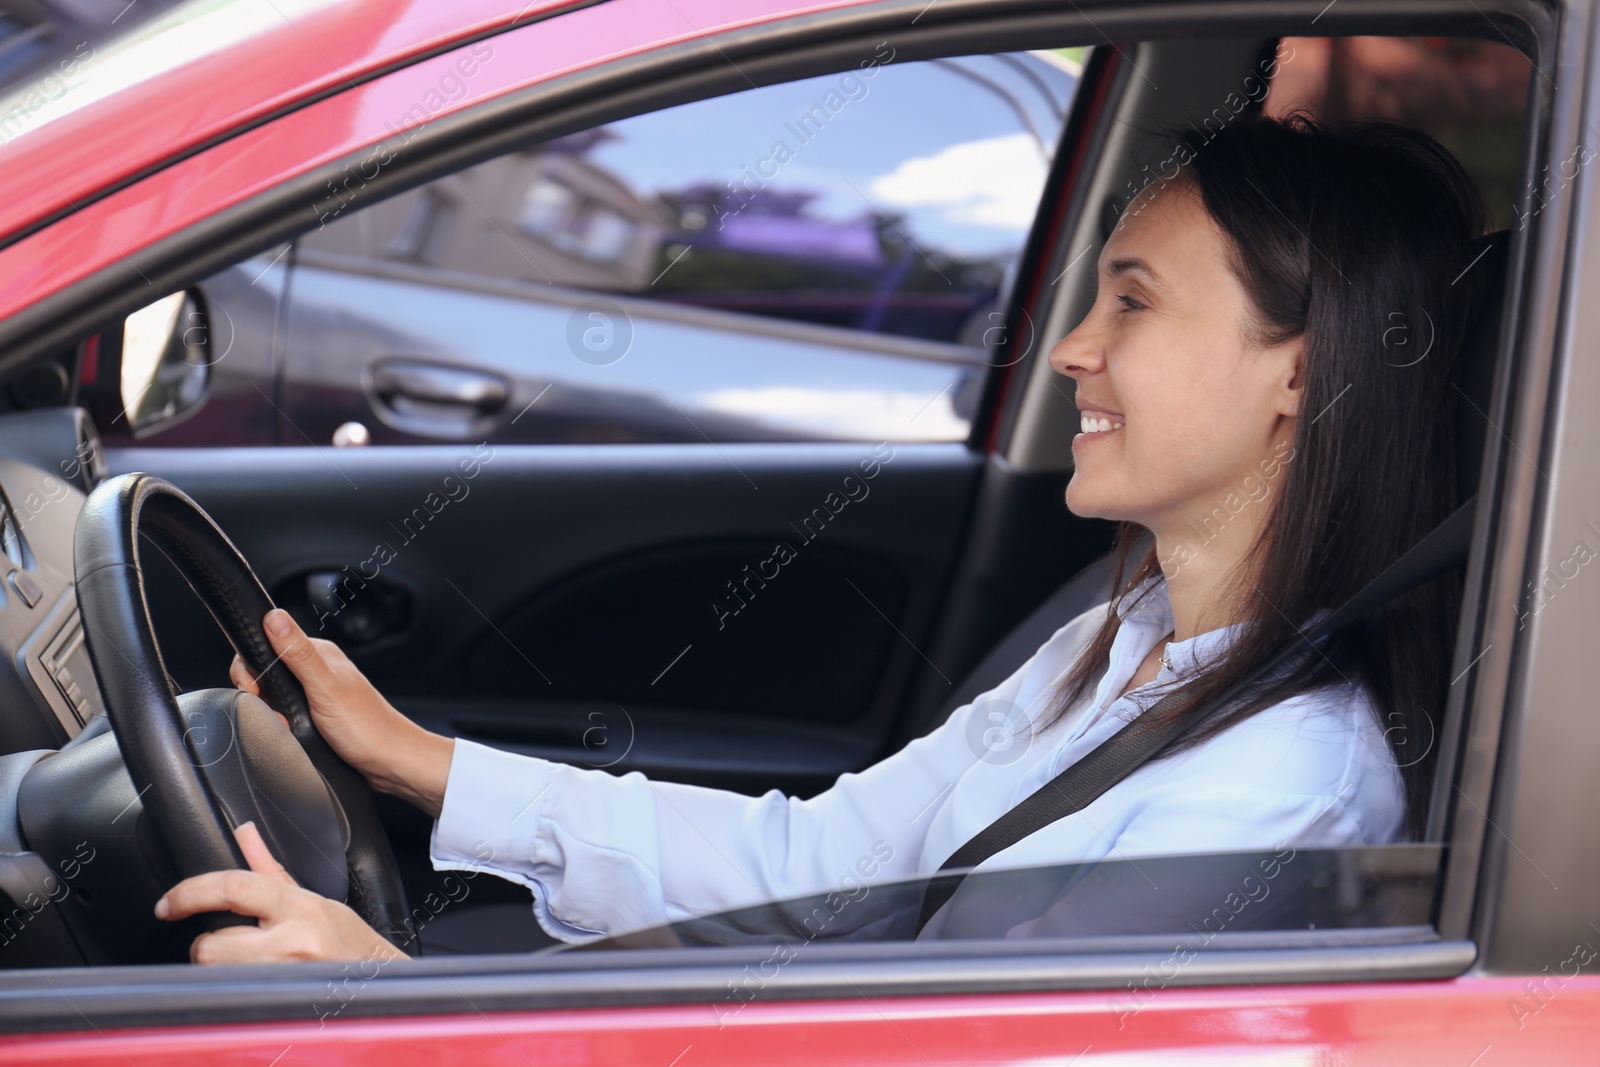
144	710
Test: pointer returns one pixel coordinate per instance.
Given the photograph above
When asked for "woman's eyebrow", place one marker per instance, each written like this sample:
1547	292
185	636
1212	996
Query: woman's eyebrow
1133	265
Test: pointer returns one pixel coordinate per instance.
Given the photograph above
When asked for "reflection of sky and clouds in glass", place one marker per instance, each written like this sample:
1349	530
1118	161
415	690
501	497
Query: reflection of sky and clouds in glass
957	152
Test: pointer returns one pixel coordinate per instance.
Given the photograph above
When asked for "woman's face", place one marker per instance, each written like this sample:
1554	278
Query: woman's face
1164	359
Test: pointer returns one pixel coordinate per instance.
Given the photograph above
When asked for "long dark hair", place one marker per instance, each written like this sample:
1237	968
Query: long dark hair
1354	238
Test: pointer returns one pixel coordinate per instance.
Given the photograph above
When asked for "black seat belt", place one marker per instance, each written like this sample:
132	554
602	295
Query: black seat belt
1168	719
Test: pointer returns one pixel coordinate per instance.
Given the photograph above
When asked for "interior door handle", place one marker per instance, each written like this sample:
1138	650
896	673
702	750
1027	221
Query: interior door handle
375	607
407	385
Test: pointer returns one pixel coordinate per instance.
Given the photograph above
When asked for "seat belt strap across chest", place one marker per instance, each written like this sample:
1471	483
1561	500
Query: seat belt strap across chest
1080	784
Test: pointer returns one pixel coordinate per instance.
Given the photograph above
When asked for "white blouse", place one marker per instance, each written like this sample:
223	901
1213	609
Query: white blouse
605	854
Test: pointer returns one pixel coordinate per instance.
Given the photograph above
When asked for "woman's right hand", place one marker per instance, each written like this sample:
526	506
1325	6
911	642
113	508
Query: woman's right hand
394	754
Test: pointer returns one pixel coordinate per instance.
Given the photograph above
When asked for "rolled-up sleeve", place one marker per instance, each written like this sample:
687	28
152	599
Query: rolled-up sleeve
604	854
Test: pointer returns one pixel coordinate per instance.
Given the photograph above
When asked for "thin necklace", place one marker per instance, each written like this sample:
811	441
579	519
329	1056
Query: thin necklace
1164	661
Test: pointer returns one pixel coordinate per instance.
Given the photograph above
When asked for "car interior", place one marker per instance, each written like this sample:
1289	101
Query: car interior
558	606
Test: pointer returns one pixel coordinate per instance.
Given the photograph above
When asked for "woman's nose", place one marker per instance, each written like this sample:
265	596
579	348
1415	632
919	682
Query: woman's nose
1078	354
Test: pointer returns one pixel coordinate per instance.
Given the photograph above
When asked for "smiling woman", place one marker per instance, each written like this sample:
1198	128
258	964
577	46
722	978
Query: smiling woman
1323	240
1239	320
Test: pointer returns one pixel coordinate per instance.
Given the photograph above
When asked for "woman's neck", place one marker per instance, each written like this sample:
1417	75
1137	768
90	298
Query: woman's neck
1203	597
1207	581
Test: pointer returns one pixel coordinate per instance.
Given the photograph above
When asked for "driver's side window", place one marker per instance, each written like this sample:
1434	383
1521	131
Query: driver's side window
811	260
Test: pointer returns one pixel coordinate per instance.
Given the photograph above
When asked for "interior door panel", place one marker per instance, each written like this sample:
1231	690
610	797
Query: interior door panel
649	607
747	616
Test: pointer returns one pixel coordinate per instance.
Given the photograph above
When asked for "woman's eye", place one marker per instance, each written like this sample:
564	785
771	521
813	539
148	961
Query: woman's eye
1130	304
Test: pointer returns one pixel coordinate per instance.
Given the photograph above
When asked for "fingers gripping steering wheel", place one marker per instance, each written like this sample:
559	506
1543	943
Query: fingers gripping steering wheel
206	761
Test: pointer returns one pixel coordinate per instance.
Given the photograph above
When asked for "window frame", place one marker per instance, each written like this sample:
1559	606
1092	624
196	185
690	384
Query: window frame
141	995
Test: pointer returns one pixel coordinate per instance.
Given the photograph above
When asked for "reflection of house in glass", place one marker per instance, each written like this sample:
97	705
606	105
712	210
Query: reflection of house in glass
584	211
544	215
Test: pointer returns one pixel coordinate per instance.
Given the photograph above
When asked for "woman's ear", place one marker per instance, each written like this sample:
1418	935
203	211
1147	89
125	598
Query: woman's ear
1290	376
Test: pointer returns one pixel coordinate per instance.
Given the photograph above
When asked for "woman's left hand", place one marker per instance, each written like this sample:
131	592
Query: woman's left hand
295	923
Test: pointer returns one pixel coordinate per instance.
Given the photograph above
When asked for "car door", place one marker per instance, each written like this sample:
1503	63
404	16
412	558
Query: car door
1044	1001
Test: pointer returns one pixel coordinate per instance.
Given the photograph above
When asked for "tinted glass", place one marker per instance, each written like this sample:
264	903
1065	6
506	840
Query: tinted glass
826	259
893	198
1197	897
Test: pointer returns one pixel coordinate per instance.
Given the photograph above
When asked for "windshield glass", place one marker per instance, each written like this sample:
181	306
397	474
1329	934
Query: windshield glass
110	60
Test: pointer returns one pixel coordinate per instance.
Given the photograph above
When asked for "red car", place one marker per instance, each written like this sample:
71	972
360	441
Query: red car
315	263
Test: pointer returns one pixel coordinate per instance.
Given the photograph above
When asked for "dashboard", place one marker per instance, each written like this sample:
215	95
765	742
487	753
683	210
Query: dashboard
49	461
67	796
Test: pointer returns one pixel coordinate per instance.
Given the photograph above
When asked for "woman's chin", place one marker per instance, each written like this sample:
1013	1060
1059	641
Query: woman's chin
1086	505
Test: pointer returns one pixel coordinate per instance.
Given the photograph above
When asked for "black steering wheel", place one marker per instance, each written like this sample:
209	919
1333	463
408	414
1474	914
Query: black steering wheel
207	761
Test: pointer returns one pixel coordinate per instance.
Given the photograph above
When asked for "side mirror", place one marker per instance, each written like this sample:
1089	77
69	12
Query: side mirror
166	361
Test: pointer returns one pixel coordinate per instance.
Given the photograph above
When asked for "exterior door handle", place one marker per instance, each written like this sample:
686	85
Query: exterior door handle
404	384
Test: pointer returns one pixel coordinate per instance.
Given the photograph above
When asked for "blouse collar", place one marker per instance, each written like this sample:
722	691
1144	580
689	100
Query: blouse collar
1146	615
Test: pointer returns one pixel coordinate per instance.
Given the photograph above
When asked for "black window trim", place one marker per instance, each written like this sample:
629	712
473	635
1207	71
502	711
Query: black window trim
181	994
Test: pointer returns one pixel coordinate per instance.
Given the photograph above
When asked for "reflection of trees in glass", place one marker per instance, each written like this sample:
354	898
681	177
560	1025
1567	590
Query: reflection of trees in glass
762	252
1469	94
